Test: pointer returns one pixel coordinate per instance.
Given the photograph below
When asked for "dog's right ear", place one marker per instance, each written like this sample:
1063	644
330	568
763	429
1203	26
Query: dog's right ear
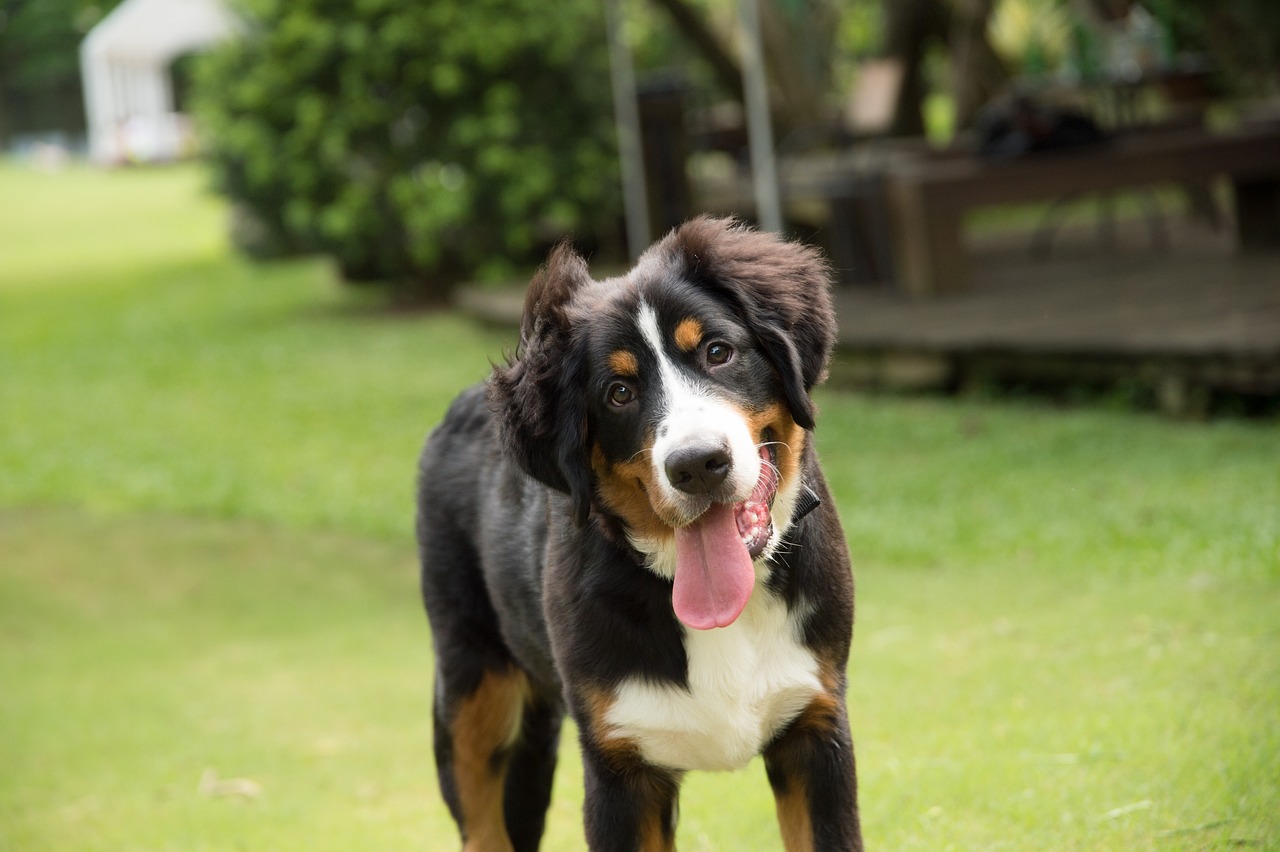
538	395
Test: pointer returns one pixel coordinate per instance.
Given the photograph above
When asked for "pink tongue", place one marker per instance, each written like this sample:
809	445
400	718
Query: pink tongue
714	574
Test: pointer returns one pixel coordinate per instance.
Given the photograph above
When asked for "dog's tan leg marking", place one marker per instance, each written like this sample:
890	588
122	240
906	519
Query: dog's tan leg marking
655	836
486	723
657	829
792	802
793	817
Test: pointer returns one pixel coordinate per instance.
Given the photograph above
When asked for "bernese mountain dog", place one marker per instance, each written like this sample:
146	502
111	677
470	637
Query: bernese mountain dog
628	521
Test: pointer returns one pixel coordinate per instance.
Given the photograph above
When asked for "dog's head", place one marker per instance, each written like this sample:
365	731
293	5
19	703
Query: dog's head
675	400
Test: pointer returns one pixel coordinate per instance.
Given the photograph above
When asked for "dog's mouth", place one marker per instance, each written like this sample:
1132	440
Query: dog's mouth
753	515
715	554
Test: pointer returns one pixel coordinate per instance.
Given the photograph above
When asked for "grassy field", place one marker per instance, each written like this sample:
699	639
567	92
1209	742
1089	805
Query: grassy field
1069	621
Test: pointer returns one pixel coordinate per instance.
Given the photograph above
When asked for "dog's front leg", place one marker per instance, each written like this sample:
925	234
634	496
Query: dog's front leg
815	785
630	805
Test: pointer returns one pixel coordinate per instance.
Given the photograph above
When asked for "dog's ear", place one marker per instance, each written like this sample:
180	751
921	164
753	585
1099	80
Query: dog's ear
538	396
781	290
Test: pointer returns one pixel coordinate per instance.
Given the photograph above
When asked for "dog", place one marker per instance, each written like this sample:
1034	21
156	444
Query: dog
628	521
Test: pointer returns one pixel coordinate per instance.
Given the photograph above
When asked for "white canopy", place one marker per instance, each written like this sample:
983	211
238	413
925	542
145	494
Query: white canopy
124	63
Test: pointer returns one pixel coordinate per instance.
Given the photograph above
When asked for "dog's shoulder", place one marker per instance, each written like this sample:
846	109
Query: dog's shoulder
467	415
459	458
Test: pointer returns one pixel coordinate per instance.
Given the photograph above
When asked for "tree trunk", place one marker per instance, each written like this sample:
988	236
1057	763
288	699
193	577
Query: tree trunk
910	25
723	64
798	51
977	73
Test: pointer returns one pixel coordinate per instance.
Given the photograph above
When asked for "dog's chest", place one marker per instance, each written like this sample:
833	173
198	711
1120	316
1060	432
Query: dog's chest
746	682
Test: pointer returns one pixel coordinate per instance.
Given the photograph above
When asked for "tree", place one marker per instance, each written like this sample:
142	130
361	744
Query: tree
976	71
798	43
416	141
40	63
1241	36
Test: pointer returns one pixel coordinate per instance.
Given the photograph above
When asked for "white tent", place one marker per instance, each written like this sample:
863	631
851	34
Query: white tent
124	63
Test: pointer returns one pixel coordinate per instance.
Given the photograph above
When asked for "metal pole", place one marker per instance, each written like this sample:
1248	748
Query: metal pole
626	114
764	164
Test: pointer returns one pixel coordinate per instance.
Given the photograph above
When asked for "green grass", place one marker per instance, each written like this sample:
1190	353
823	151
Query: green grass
1069	621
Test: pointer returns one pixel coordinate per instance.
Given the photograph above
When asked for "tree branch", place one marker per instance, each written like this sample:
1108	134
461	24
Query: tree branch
726	69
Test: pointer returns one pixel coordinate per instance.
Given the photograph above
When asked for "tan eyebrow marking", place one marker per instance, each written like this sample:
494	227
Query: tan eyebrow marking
623	363
688	334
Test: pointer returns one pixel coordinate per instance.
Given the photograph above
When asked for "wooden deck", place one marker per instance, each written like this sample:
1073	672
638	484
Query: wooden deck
1189	318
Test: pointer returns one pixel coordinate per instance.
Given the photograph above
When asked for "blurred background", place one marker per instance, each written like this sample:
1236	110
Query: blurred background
250	249
427	146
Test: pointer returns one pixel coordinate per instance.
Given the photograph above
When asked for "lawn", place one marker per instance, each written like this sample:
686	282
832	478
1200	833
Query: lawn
1068	630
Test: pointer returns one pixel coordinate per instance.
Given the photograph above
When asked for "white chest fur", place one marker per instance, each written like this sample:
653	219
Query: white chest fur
746	681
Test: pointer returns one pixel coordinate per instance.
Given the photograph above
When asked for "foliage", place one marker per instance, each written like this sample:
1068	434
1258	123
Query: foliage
40	62
1030	33
414	140
1241	36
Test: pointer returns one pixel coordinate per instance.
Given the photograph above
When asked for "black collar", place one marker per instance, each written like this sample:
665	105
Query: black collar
807	502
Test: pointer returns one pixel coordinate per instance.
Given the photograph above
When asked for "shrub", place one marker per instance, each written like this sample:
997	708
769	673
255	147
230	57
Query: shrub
414	140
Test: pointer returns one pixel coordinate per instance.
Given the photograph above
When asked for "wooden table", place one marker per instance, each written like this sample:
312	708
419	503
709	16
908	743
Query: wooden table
928	196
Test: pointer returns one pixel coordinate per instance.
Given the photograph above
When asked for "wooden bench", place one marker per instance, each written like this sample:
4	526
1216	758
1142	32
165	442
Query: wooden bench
929	196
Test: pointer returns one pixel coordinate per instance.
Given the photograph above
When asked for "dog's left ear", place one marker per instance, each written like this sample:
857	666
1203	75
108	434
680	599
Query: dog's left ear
781	289
538	396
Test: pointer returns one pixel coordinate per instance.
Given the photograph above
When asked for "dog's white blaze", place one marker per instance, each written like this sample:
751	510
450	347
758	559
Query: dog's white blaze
692	413
750	679
747	681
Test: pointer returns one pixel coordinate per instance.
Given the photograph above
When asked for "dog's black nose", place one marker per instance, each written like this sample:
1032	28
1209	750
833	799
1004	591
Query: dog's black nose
699	468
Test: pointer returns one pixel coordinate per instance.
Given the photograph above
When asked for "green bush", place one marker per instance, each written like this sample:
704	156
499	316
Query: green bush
416	141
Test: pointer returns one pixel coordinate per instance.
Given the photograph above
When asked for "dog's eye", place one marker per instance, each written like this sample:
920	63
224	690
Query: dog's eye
620	395
719	354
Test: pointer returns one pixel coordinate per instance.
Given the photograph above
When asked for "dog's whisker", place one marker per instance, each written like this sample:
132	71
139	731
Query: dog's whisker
638	453
785	546
764	444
